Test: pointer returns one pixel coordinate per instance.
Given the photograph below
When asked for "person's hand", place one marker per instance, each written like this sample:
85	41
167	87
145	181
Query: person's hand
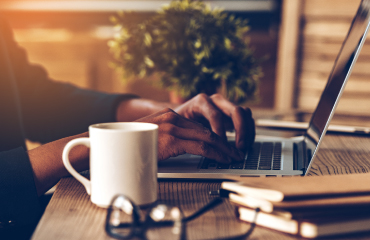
178	135
221	115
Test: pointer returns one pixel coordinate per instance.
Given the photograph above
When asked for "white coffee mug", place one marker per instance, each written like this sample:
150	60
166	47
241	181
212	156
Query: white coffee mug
123	160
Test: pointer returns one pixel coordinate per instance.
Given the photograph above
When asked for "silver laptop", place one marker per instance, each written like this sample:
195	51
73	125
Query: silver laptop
273	156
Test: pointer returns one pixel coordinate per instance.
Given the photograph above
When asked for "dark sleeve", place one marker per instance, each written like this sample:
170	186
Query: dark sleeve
19	204
52	110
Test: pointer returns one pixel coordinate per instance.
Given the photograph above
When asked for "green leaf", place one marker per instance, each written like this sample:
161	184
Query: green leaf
191	46
227	43
148	39
148	62
207	70
197	43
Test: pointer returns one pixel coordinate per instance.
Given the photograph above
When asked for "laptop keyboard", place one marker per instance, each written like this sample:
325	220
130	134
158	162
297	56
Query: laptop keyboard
262	156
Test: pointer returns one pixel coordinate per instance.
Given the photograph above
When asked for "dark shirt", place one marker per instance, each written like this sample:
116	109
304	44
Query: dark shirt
34	107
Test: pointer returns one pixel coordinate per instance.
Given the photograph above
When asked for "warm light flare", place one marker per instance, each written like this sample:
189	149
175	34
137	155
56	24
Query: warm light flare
42	35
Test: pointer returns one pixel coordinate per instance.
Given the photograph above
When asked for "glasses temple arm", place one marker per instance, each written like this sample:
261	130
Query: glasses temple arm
210	205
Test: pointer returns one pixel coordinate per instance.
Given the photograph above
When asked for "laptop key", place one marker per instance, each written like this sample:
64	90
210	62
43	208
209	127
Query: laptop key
237	166
276	165
212	166
223	166
208	163
266	156
264	167
253	157
262	156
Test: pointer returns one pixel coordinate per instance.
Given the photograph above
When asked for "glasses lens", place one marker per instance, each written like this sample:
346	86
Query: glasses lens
164	220
121	220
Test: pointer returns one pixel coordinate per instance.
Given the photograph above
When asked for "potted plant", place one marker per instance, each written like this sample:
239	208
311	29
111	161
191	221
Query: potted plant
191	47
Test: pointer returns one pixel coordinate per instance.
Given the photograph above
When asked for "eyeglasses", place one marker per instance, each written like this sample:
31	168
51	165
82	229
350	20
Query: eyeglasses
162	221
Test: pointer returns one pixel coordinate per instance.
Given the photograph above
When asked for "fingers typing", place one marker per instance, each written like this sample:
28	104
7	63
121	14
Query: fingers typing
178	135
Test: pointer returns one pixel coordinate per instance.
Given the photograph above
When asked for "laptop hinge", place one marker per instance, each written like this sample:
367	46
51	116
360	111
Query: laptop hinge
300	157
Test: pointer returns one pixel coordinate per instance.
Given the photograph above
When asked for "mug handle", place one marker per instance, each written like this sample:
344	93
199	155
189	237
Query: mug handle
67	164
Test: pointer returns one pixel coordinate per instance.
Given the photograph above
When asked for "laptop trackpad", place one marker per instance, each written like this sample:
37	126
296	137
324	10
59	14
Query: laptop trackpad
186	161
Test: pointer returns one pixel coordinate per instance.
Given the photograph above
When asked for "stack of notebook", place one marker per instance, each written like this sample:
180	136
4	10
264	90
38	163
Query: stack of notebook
306	206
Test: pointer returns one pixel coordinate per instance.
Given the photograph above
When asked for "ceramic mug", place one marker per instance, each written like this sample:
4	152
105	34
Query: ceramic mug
123	160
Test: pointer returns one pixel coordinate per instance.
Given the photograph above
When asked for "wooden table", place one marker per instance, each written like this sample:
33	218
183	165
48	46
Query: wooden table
71	215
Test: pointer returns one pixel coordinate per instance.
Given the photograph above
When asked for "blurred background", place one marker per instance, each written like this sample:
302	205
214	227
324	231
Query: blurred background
299	40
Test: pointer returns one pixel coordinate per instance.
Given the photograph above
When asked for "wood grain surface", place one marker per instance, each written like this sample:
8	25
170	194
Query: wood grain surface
71	215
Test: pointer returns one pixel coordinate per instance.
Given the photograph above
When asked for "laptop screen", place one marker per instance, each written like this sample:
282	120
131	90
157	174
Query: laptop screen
339	75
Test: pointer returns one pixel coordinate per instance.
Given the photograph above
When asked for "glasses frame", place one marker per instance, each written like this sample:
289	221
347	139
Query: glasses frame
139	228
143	226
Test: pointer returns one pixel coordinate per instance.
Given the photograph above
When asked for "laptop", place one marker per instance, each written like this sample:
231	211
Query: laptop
275	156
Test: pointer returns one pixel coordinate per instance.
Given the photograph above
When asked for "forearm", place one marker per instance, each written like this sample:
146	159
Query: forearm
132	109
46	160
47	164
